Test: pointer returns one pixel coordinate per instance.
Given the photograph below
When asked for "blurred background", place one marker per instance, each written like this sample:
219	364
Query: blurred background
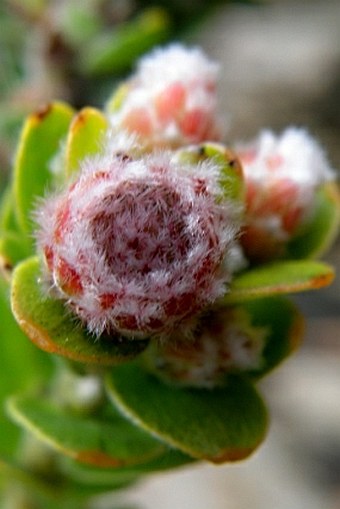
280	62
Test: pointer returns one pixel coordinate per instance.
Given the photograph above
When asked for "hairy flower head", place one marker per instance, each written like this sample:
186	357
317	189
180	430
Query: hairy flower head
282	174
171	99
225	341
136	246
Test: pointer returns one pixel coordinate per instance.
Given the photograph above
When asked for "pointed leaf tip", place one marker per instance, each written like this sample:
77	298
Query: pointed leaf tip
84	138
284	277
40	141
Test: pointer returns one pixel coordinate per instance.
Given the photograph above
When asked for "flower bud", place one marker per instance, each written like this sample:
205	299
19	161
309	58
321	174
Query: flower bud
171	100
282	175
137	246
224	342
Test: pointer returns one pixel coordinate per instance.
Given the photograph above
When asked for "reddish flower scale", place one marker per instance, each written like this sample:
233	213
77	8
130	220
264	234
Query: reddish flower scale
138	246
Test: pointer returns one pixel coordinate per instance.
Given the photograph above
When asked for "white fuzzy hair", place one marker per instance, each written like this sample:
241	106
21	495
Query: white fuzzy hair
158	71
146	249
269	162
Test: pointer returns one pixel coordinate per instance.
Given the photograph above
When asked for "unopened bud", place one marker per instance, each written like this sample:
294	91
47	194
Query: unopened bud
282	175
224	342
136	246
171	100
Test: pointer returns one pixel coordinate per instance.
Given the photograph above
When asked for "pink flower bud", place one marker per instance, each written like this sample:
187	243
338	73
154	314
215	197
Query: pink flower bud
282	175
137	246
224	342
171	100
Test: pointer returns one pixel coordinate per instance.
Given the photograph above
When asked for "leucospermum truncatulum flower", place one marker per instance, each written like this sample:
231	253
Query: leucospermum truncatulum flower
282	175
171	100
138	245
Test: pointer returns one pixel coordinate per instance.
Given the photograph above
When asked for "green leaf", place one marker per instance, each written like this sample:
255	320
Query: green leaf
231	174
13	249
85	474
79	22
17	473
115	50
285	327
218	425
105	441
231	178
284	277
53	492
323	228
84	137
14	246
52	328
22	367
39	143
8	220
117	98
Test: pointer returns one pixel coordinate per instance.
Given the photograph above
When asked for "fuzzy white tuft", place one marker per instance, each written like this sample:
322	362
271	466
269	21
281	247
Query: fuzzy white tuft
164	66
295	154
171	100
